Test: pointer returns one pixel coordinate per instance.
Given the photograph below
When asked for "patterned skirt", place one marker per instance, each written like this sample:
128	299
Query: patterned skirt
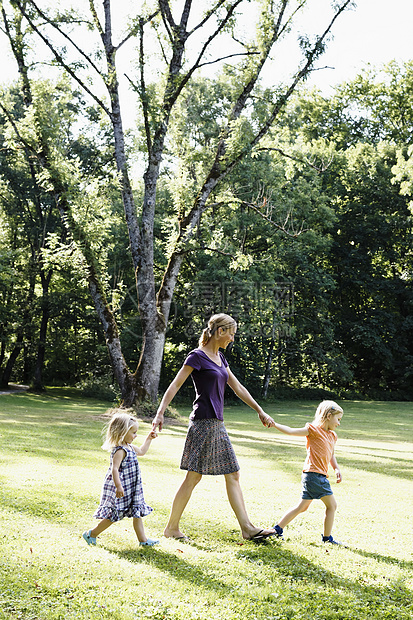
208	449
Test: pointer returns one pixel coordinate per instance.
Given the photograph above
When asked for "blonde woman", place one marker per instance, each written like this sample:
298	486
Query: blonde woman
208	450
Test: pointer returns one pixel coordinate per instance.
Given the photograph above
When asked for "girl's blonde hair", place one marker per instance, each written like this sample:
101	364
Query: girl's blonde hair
324	409
117	428
215	322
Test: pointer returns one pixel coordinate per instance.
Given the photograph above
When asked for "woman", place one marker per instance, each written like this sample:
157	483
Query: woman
208	449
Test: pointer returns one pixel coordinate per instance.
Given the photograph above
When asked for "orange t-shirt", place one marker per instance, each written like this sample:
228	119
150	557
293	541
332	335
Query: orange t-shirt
320	449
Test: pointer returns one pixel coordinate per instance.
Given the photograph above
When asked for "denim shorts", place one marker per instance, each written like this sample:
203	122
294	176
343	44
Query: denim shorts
315	486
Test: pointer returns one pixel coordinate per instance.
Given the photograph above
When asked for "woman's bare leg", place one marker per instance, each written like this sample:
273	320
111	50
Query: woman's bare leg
236	500
181	499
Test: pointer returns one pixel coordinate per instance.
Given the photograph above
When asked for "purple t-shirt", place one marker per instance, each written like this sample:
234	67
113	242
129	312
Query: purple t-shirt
209	381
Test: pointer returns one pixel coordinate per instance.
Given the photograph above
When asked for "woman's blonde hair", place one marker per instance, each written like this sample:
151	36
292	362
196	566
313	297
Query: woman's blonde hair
117	428
324	409
215	322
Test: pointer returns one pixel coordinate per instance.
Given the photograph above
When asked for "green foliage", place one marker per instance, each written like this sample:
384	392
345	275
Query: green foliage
101	388
373	330
322	207
34	231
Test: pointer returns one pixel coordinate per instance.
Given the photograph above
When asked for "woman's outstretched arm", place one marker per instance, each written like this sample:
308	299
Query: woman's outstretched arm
246	397
174	386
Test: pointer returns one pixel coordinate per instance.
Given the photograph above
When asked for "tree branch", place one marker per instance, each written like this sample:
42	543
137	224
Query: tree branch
240	103
216	250
209	13
61	60
26	145
196	65
305	161
281	227
61	32
98	25
141	91
137	28
167	18
212	62
284	98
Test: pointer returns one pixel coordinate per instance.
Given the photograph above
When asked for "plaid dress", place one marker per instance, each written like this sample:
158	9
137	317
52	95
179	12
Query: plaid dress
132	504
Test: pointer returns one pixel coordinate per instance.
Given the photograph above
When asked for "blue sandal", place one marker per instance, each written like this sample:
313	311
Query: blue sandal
89	539
150	542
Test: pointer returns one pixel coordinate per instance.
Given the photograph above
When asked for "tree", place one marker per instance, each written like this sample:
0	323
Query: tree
28	222
238	136
264	243
39	156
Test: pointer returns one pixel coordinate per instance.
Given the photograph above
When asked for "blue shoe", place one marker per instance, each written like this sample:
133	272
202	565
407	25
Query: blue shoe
149	543
89	539
279	532
330	539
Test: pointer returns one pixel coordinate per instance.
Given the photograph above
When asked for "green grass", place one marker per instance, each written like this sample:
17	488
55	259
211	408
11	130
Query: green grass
51	471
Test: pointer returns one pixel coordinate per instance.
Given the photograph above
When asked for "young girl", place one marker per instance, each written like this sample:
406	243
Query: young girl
122	493
321	438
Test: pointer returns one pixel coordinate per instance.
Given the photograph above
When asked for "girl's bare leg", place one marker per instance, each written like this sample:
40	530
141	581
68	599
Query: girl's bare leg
331	507
293	512
236	500
181	499
101	527
139	529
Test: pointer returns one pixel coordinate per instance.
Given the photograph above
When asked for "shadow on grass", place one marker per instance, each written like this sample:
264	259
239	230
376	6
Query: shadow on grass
303	582
385	465
177	567
39	507
270	449
387	559
294	569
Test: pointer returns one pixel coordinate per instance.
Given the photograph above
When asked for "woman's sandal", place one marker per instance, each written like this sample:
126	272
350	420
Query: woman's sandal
260	536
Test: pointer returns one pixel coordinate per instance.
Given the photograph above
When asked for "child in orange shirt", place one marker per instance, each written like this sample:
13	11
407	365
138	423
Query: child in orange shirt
321	439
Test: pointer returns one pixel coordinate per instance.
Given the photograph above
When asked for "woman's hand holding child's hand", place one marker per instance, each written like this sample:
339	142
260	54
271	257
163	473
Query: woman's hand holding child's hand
266	419
153	435
158	421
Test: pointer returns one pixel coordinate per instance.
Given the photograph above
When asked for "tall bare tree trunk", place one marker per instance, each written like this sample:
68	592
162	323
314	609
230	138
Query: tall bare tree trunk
38	384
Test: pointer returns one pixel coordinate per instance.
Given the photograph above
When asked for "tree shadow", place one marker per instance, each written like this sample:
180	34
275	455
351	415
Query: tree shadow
386	465
388	559
296	569
178	567
301	578
270	449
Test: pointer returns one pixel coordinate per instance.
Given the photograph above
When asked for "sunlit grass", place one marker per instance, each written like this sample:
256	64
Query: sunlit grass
51	471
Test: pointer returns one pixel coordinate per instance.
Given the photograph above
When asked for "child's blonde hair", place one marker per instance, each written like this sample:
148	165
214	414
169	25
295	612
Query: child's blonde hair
117	428
215	322
324	409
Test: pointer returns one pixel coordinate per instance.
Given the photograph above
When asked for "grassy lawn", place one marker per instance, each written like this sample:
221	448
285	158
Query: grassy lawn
51	473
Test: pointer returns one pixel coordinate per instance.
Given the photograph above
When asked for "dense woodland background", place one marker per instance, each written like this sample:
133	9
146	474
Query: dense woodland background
306	239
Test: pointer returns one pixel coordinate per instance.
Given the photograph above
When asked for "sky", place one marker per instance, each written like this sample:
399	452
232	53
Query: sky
376	32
